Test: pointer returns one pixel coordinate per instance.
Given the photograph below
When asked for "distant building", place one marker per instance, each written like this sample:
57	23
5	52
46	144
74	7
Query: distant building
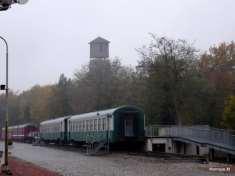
99	48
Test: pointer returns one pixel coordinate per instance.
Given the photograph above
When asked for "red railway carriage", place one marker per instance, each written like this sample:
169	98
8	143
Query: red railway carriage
22	133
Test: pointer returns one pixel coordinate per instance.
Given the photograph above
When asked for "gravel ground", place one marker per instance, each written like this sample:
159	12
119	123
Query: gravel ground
75	163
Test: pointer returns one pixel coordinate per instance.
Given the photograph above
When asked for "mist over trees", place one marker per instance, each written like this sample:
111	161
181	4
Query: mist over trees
173	83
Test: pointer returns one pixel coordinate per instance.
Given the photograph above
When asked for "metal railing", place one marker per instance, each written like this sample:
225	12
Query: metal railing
202	134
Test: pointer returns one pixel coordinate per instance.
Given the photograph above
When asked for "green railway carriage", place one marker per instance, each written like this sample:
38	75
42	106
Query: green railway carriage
54	130
122	124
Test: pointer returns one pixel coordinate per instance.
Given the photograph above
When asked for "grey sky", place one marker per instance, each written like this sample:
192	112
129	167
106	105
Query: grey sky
49	37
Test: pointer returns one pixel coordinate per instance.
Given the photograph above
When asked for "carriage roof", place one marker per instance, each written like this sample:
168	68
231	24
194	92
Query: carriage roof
99	113
93	114
57	120
19	126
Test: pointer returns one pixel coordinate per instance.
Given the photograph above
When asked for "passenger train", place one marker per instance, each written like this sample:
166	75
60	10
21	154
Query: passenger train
122	125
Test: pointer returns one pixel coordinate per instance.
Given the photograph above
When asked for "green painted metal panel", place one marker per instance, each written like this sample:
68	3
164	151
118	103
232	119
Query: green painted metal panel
52	136
90	136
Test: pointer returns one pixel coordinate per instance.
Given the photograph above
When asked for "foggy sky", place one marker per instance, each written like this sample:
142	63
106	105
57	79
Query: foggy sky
49	37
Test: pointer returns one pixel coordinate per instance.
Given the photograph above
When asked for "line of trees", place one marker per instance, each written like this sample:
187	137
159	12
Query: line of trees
172	82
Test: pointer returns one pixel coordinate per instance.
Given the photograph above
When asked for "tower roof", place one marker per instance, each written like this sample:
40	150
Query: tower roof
99	40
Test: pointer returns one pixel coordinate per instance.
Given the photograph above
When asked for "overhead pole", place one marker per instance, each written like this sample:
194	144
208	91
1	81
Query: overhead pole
5	166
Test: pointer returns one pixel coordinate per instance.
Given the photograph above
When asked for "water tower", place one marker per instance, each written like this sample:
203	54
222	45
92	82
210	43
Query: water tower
99	48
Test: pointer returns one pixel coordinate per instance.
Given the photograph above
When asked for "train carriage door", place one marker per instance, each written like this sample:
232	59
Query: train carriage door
65	130
129	126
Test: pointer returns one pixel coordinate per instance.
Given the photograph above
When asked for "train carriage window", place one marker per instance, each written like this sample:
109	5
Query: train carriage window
83	125
108	123
90	121
99	124
92	125
79	126
95	125
104	123
87	125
